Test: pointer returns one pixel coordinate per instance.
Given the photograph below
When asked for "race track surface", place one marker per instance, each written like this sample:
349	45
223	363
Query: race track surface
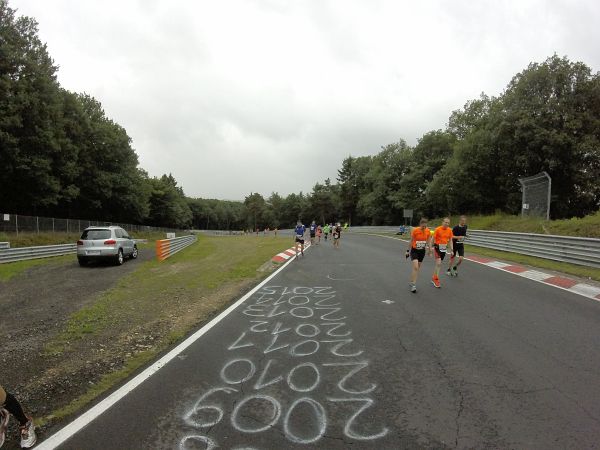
334	352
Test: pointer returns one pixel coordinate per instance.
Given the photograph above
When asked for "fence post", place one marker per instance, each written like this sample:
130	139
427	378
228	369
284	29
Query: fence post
53	224
17	224
79	226
37	224
67	226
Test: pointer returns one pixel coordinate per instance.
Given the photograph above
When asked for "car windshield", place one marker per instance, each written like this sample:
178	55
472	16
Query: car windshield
95	234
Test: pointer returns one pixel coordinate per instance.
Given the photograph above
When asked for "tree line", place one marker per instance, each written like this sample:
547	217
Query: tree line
62	156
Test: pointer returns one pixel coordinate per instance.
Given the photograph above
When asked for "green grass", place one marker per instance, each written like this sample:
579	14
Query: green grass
10	270
140	296
106	382
588	226
156	290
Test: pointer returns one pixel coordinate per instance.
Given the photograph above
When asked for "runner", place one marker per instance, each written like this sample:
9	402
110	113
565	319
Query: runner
319	233
326	230
313	232
299	238
420	239
442	236
10	405
337	234
458	245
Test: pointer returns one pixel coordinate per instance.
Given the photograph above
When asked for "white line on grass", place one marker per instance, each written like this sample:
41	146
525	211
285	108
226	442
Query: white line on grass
68	431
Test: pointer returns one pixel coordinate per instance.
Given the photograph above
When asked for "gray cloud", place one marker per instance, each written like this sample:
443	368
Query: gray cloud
261	96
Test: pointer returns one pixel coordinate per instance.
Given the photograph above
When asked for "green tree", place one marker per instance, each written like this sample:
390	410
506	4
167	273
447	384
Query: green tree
378	197
552	123
168	205
351	179
255	209
322	204
30	103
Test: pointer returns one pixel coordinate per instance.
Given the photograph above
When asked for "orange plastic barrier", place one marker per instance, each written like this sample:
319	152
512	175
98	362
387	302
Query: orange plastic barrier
162	249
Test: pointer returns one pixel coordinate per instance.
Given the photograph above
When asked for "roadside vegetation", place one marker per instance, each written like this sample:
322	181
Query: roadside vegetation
155	306
546	119
588	226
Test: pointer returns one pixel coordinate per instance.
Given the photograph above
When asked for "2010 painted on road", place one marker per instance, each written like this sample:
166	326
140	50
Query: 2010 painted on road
294	368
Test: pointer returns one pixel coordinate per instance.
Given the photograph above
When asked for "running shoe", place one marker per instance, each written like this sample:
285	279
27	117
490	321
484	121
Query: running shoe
449	272
4	418
436	282
413	288
455	271
28	437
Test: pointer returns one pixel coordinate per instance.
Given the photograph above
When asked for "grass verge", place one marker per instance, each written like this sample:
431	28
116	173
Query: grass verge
10	270
588	226
156	306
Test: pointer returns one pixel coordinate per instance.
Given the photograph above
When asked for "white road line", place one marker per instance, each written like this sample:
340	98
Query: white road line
68	431
497	264
535	275
586	289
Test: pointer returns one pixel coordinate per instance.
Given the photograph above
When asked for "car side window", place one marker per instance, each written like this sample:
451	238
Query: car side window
118	233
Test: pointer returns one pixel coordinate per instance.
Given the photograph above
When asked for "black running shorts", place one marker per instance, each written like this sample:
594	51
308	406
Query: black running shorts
417	254
460	249
438	254
300	239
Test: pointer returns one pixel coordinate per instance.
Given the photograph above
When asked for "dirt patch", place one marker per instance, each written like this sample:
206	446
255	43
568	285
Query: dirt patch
35	308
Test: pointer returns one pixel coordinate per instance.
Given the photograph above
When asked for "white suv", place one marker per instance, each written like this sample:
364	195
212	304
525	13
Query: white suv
105	243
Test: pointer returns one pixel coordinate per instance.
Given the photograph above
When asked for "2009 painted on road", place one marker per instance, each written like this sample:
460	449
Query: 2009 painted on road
301	366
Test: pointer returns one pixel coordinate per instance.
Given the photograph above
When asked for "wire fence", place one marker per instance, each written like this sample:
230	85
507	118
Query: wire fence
16	223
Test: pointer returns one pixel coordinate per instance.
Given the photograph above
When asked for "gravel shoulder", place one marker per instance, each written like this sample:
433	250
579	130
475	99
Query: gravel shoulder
37	307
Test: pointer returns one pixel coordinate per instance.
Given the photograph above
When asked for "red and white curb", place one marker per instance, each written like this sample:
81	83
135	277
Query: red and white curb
285	255
568	284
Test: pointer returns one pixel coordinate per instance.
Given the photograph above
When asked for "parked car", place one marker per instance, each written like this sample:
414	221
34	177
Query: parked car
105	243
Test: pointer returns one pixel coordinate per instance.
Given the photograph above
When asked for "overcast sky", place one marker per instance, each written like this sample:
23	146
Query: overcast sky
234	97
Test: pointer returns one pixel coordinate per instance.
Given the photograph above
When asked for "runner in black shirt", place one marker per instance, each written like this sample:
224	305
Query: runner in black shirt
460	233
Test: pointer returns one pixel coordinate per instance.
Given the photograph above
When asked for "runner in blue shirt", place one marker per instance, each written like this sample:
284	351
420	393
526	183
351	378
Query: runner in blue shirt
299	238
313	232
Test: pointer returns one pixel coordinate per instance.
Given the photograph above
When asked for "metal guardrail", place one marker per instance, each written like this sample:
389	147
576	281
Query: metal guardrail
569	249
42	251
574	250
4	245
168	247
8	254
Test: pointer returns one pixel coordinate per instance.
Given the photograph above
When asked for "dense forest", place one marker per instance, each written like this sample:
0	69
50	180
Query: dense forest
62	156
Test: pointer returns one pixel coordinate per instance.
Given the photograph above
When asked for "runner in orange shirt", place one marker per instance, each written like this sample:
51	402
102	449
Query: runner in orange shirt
420	239
442	239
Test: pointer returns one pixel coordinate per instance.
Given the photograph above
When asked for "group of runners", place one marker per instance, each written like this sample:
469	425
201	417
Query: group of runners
443	240
315	232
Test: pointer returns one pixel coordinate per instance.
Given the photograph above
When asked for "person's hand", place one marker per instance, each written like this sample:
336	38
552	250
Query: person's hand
407	254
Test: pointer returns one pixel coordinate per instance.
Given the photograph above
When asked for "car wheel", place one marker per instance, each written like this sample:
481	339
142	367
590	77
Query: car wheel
134	254
120	259
82	262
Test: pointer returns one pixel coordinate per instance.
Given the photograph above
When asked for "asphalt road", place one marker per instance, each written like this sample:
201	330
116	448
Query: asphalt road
335	352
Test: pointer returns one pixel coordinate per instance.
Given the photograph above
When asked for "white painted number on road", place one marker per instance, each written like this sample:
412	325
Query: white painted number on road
272	363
